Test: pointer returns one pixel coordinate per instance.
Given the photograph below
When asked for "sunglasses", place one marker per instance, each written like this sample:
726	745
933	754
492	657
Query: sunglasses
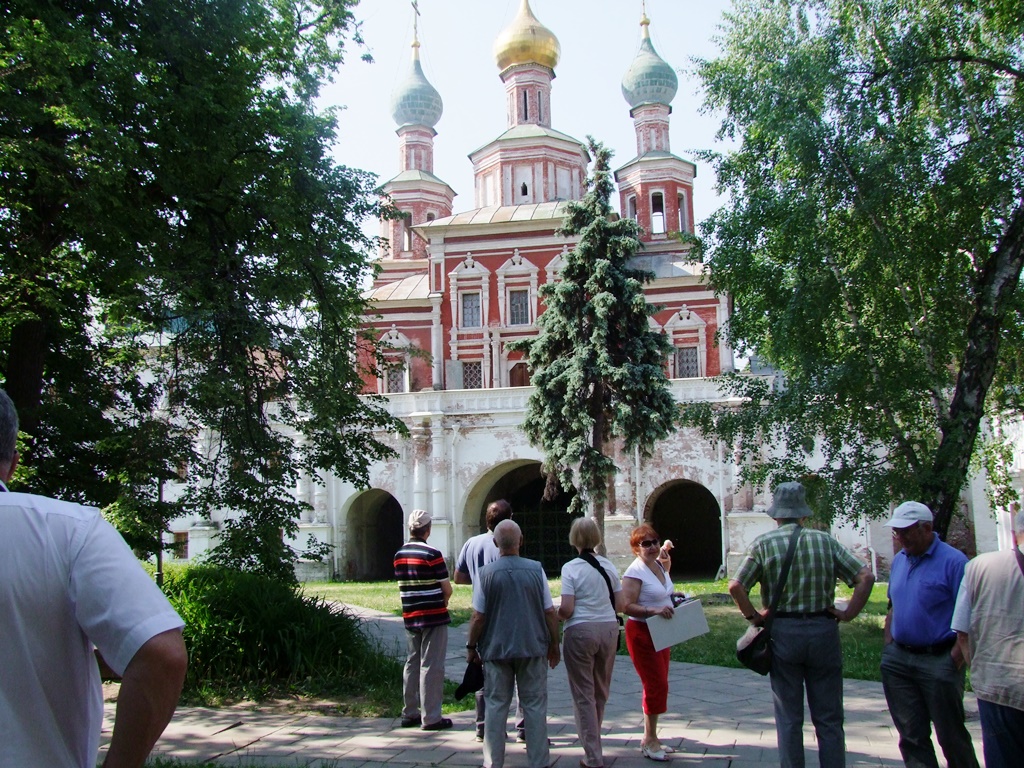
649	543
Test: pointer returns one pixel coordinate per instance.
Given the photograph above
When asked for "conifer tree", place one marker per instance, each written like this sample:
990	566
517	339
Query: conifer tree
597	366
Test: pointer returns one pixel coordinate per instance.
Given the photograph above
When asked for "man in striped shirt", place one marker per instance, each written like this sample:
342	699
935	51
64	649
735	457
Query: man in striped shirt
425	589
805	636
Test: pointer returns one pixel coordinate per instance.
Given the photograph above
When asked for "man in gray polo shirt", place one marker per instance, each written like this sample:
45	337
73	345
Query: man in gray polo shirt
513	629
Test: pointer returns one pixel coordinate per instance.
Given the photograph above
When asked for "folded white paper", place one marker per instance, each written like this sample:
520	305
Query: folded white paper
688	621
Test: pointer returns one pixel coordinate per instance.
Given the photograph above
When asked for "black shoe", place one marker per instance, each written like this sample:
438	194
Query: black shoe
479	735
521	737
411	722
441	725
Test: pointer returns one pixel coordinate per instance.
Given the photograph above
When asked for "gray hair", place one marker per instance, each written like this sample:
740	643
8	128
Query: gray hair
8	429
508	535
584	533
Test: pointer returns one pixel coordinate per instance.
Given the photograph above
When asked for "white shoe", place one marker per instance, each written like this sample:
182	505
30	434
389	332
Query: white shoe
658	755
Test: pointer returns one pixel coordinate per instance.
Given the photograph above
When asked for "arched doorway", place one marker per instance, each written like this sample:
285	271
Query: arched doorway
545	524
687	513
376	530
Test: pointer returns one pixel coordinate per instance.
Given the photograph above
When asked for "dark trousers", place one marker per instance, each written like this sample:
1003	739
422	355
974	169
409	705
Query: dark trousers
1002	734
806	654
922	690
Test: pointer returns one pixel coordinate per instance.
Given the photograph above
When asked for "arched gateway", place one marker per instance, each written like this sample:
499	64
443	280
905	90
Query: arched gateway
376	530
688	513
545	524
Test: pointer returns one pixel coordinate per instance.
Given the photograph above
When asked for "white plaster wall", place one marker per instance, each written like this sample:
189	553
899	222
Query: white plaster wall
466	440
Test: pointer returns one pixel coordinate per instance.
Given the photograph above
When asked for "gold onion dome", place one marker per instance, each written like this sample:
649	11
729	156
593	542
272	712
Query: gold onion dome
415	101
526	41
649	79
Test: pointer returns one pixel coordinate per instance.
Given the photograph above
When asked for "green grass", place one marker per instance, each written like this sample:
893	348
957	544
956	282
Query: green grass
383	596
862	638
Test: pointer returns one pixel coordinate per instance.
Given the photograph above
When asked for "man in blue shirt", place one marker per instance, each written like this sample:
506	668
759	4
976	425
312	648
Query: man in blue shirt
922	667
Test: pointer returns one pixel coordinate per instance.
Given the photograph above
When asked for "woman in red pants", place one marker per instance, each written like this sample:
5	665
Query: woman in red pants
647	588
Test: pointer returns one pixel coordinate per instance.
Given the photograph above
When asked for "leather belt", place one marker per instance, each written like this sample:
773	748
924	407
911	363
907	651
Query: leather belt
801	615
935	649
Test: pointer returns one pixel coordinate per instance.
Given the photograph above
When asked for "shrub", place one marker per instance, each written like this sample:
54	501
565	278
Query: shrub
248	634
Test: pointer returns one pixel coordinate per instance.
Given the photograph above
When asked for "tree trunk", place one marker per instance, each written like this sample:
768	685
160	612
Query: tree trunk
997	286
597	499
26	360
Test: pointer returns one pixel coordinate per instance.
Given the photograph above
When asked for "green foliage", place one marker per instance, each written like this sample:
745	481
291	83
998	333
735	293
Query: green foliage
598	368
873	242
181	261
250	635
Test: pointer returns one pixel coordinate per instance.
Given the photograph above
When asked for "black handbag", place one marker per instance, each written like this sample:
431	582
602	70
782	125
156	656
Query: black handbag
588	557
754	648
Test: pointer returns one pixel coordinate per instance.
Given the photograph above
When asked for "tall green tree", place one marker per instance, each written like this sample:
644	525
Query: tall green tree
178	250
873	242
598	368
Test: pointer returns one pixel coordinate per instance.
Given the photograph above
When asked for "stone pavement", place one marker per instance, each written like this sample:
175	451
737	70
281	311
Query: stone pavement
717	718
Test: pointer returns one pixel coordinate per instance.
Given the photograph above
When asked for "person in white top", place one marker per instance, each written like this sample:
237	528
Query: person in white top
68	582
648	592
591	598
989	624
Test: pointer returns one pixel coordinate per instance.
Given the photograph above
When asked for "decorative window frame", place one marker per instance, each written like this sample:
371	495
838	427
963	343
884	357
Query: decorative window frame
469	277
517	274
396	350
687	329
553	271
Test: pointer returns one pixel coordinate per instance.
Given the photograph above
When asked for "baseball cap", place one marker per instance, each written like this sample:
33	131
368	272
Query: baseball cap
908	513
418	519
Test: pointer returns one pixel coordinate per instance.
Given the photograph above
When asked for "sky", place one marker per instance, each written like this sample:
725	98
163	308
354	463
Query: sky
599	39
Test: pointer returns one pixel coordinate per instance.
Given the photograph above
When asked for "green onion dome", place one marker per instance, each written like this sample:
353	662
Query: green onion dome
649	79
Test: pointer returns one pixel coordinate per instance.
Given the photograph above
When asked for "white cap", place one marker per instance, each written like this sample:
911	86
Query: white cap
908	513
419	518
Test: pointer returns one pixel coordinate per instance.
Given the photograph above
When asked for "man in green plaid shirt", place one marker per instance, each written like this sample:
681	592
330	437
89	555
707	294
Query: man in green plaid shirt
805	633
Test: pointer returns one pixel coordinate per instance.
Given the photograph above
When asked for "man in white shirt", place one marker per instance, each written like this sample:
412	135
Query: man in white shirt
69	582
989	624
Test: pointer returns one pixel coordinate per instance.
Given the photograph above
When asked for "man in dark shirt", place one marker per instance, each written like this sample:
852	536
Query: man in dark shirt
425	589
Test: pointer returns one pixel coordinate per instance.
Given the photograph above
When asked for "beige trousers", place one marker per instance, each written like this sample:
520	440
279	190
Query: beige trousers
589	653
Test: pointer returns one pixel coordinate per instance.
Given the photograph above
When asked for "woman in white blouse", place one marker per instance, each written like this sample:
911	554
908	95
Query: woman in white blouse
648	589
591	598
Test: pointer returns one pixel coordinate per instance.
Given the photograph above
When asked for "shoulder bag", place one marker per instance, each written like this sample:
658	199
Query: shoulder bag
754	648
588	557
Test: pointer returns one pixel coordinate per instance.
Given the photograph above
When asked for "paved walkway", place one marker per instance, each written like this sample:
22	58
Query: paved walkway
717	718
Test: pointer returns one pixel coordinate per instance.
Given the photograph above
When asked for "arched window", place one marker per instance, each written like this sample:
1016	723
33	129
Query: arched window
631	207
523	190
657	213
684	214
526	106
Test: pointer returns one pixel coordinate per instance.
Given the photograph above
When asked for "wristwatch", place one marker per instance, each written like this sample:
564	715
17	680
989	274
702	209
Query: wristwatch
470	647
